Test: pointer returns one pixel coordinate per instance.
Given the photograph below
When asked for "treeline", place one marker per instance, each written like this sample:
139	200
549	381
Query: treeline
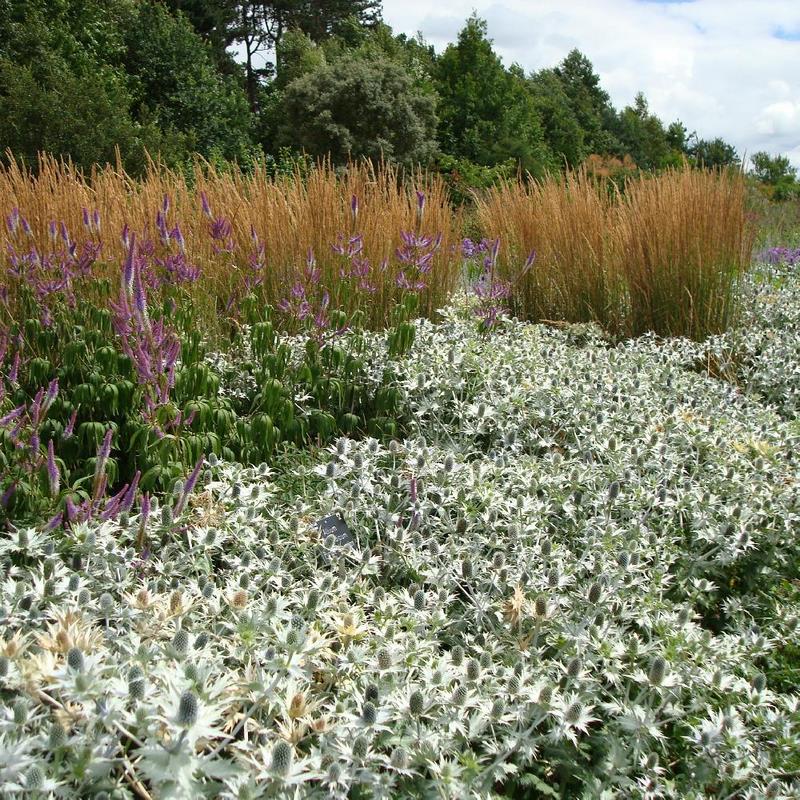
239	80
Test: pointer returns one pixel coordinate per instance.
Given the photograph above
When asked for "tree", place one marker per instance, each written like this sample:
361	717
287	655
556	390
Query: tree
487	113
713	153
643	136
81	79
58	89
320	19
298	56
356	108
590	103
562	131
772	169
176	85
215	22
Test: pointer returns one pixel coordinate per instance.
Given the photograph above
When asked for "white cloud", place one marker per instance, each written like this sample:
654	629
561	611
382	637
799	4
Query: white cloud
717	65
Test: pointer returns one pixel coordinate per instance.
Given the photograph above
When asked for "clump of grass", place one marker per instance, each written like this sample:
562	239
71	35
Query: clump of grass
566	222
684	241
664	254
291	216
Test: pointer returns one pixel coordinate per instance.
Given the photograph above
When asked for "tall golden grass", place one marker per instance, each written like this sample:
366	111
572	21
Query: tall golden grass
664	255
290	214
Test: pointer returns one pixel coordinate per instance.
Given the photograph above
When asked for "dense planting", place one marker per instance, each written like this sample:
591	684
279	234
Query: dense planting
301	535
663	254
556	585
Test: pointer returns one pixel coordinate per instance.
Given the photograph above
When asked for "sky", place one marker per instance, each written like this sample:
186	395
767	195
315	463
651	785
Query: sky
728	68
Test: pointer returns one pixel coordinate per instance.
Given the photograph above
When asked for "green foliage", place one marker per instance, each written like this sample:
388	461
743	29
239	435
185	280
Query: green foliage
713	153
323	18
83	79
772	169
296	55
80	114
487	113
464	177
643	136
560	124
590	103
174	84
777	174
356	108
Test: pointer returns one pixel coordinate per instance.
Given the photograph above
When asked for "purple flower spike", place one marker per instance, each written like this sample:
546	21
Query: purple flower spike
205	205
127	269
52	393
25	226
529	262
145	513
102	455
165	204
96	220
86	221
130	495
354	208
191	481
420	205
53	230
52	469
70	425
12	221
54	522
5	498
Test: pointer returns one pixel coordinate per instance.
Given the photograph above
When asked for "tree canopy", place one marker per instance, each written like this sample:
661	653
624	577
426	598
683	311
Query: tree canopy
235	79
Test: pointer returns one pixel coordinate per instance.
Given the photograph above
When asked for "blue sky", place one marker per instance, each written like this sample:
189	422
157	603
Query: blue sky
726	68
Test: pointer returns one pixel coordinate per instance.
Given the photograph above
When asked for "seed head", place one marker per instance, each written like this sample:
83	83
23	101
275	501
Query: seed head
419	600
573	713
399	759
282	758
180	641
457	655
360	748
473	669
540	606
459	696
34	778
75	659
759	682
416	703
369	713
384	659
595	592
658	671
106	603
574	667
334	772
20	711
56	736
188	708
